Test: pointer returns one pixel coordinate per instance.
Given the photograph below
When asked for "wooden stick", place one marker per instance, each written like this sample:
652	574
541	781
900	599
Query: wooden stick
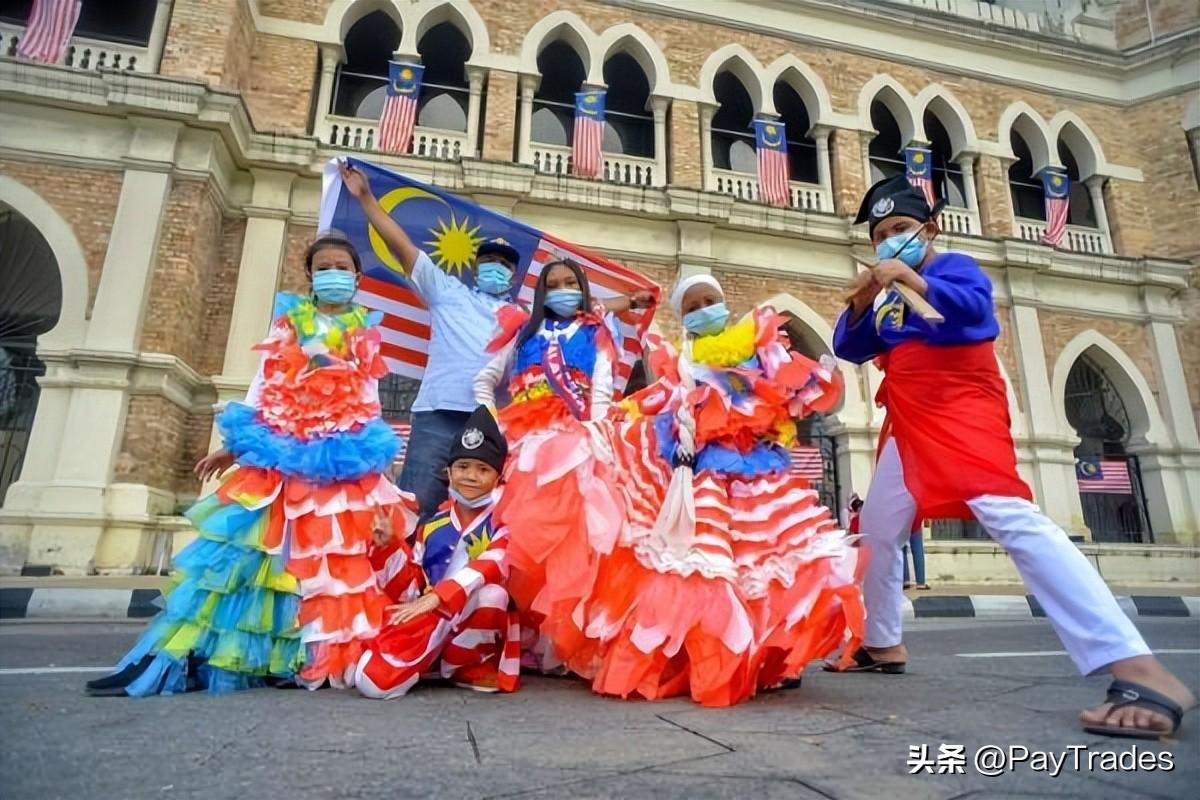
911	298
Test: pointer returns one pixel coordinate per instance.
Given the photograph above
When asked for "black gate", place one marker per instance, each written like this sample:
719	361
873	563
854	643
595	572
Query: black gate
19	371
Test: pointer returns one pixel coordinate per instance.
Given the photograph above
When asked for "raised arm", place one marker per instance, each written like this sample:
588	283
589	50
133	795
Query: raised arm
623	303
393	235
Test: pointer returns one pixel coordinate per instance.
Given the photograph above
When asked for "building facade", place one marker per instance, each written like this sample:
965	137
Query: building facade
160	185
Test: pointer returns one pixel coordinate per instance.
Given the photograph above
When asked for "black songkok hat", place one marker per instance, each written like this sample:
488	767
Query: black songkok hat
895	197
481	439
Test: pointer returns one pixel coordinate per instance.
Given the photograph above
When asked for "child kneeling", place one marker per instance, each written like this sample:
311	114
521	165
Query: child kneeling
452	618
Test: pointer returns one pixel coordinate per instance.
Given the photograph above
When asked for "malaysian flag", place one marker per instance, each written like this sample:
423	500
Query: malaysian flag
402	429
400	108
917	168
807	463
771	145
587	157
51	23
1103	476
1057	188
450	228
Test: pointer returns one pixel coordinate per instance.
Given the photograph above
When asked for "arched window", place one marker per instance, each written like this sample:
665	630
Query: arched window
630	128
1109	478
1081	211
947	174
30	305
886	149
554	102
802	150
444	89
361	83
732	130
1025	188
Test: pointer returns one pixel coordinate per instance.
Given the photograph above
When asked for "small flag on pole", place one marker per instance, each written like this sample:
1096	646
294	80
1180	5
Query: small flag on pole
917	168
51	24
1103	476
771	147
1057	188
587	141
400	108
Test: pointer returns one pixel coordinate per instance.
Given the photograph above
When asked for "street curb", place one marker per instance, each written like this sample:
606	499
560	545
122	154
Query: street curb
110	604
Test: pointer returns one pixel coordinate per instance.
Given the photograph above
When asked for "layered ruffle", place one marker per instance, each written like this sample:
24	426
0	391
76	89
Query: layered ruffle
345	455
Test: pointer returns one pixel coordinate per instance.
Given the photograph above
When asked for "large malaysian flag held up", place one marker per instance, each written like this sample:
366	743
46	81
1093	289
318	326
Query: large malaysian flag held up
918	169
770	144
587	140
450	229
1057	188
51	24
400	107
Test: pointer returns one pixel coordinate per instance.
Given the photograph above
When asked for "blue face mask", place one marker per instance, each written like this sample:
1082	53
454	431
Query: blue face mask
484	499
707	321
564	302
909	247
334	286
492	277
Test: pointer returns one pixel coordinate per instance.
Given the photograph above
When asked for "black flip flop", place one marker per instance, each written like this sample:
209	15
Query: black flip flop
1126	693
863	662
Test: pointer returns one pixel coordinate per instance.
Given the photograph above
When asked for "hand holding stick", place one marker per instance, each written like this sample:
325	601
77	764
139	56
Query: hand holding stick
909	295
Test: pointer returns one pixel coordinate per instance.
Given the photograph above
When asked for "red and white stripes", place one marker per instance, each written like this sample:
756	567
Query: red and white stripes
50	26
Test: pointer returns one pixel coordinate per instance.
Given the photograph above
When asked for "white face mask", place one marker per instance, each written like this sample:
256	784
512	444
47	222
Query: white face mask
484	499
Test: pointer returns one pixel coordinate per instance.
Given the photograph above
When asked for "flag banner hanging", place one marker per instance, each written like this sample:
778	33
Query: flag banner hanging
918	168
587	140
399	115
450	228
50	26
770	144
1057	188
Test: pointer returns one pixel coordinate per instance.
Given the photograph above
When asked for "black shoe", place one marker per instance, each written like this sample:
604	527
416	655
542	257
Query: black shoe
114	685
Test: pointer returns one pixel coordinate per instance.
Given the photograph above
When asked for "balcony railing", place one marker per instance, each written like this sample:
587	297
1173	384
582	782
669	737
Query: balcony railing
744	186
353	133
630	170
960	221
88	54
1078	238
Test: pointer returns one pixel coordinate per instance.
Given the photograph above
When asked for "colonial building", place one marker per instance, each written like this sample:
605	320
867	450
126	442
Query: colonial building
161	183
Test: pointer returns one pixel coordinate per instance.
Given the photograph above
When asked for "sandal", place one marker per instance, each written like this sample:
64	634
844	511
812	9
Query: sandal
863	662
1126	693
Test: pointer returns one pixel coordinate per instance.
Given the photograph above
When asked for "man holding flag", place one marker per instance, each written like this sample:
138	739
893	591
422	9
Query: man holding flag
439	320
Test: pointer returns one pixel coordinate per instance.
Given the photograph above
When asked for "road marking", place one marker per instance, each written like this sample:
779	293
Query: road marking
50	670
1035	653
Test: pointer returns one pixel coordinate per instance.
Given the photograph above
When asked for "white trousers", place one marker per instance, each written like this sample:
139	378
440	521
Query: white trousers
1093	628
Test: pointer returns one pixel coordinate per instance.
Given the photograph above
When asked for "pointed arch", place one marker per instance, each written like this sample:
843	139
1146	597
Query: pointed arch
629	38
1033	128
899	102
1067	127
459	13
342	14
72	266
805	81
1145	420
741	62
941	102
568	27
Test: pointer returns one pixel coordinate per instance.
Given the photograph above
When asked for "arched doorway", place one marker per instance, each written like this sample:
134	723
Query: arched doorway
1108	476
30	305
815	455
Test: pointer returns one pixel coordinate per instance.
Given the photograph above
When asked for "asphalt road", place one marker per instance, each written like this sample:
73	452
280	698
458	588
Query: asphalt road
837	737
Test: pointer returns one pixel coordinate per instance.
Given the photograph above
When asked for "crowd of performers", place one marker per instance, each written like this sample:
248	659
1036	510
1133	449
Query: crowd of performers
656	545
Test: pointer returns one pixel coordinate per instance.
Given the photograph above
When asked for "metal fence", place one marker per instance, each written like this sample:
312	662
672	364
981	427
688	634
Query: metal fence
18	402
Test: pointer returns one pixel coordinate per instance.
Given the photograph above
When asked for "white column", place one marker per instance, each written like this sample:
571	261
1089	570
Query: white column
1095	186
864	145
158	34
331	56
706	155
821	137
474	104
967	162
658	106
528	87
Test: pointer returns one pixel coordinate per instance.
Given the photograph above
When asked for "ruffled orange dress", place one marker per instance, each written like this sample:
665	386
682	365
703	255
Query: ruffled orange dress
729	575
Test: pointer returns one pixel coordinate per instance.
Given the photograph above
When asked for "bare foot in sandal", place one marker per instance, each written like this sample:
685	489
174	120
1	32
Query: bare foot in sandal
1135	704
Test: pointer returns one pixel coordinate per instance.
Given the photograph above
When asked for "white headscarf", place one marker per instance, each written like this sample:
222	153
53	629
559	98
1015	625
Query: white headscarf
687	283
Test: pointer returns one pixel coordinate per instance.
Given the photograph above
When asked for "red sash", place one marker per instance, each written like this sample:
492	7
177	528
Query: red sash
948	412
